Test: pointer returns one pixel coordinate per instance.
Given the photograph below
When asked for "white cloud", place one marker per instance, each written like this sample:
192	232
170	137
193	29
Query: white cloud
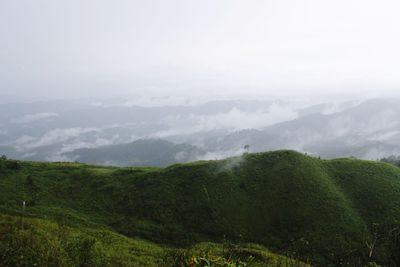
233	120
384	136
68	147
216	155
34	117
237	119
23	140
59	136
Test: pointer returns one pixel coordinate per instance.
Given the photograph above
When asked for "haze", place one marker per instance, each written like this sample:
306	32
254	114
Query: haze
64	49
119	82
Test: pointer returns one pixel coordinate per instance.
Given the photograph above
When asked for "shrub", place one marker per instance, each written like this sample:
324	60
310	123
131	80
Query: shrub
12	165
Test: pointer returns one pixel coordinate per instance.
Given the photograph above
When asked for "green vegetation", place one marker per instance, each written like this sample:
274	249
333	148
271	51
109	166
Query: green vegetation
342	212
38	242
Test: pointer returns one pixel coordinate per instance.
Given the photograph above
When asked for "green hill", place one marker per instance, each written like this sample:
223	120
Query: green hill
328	212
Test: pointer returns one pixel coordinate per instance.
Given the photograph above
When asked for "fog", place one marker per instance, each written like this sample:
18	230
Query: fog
79	79
102	49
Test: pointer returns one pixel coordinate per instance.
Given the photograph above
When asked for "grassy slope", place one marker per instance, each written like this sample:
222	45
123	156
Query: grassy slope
38	242
285	200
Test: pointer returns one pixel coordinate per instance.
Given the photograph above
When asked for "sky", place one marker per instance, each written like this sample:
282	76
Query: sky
82	48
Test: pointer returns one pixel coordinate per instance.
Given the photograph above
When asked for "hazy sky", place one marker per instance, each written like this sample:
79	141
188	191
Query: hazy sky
105	48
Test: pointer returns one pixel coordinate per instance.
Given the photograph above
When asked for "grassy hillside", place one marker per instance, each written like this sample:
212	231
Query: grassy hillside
329	212
38	242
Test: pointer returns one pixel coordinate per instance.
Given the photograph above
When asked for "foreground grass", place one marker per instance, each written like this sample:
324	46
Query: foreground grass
37	242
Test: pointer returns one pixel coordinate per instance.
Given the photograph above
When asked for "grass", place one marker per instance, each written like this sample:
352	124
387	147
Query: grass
38	242
311	209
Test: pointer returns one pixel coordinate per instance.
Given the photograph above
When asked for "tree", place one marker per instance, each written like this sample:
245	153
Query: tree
13	165
33	189
3	160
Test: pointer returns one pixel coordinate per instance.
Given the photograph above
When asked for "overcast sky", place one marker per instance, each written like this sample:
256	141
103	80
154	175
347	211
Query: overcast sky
226	47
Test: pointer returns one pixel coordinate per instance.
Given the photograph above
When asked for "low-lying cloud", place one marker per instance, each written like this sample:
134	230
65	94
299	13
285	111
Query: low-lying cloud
236	119
54	137
233	120
34	117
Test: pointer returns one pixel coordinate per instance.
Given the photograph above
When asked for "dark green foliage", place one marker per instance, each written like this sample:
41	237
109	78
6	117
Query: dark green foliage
13	165
32	190
8	164
3	160
393	246
305	208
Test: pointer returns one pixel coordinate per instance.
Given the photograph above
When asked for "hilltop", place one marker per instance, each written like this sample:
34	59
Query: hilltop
323	211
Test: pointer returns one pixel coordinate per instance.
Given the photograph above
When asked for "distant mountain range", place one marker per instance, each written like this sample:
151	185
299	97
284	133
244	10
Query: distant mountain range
369	130
138	153
98	133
